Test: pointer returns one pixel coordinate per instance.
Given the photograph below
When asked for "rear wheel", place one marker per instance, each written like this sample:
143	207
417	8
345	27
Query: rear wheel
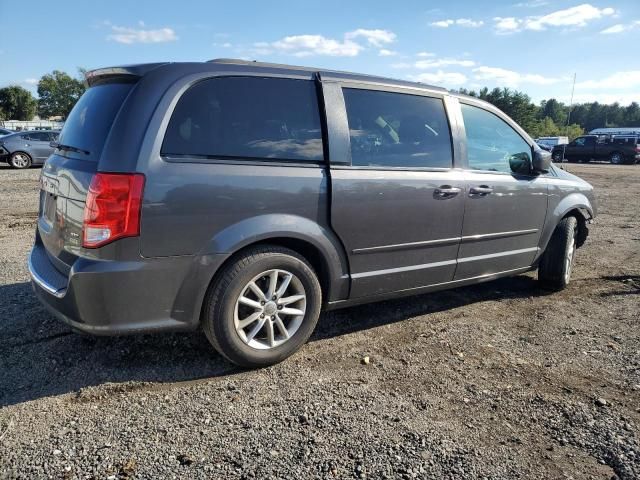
556	263
263	307
20	160
616	158
557	157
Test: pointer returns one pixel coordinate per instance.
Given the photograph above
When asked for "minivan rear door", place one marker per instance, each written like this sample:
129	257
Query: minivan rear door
67	174
397	201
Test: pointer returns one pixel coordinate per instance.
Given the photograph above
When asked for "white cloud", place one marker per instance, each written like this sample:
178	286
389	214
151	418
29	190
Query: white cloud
578	16
377	37
443	62
467	22
510	78
307	45
443	23
532	4
619	27
31	81
506	24
615	81
450	79
129	35
425	54
463	22
387	53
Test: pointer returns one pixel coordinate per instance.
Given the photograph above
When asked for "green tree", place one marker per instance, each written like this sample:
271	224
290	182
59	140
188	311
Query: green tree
16	103
58	93
632	115
554	110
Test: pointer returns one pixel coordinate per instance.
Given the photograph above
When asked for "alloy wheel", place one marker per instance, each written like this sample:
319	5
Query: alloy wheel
20	160
270	309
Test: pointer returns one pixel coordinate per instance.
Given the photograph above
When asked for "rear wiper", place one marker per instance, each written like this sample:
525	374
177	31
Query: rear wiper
61	146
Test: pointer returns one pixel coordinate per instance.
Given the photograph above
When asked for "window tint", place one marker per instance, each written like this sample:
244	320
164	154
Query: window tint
39	136
246	117
397	130
89	123
492	144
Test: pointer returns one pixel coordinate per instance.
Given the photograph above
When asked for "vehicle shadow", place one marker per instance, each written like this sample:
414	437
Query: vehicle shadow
40	356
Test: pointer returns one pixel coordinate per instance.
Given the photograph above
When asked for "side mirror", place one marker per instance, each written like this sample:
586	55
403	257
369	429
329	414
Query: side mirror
520	163
541	161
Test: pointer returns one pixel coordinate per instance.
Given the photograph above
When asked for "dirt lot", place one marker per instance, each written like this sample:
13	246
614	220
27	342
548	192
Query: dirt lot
501	380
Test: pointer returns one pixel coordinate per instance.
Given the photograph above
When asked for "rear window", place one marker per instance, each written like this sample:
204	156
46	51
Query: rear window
90	121
247	118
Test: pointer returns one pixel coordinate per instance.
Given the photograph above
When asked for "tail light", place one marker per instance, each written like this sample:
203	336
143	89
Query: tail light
112	210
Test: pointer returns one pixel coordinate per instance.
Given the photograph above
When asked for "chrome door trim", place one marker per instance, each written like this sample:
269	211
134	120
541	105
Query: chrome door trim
444	241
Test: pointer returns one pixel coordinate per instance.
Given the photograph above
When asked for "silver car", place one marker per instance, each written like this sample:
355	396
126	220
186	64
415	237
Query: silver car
24	149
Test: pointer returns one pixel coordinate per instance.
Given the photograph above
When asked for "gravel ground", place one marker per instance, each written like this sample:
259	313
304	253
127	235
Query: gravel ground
502	380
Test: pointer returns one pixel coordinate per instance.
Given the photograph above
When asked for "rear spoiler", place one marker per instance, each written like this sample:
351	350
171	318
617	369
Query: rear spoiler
125	72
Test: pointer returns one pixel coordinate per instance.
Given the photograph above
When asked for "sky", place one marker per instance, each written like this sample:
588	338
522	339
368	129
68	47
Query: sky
535	46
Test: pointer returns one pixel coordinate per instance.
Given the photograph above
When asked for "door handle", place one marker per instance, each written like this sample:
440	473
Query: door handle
481	190
446	191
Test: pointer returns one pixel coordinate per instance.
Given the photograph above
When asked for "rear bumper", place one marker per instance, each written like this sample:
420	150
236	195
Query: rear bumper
103	297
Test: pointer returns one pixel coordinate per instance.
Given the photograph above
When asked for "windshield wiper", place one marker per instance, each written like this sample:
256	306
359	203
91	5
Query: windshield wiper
71	148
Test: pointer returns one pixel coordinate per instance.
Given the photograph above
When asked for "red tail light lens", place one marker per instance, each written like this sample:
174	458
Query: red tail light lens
112	210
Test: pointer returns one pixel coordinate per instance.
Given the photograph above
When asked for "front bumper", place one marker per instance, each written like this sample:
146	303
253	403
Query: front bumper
104	297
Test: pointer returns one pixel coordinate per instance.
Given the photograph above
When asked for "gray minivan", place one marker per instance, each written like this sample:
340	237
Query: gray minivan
243	198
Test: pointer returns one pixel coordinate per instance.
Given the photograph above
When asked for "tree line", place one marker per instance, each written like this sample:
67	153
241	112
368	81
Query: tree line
57	94
553	118
59	91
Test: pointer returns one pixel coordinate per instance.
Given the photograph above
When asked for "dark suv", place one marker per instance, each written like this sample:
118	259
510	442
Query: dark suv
616	149
243	198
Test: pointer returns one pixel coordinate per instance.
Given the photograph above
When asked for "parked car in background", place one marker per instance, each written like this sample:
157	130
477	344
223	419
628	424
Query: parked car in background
254	195
5	131
552	141
615	149
24	149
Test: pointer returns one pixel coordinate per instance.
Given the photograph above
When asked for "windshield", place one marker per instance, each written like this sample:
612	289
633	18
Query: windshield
89	123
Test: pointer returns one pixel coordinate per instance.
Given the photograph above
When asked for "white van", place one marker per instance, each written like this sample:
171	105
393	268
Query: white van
552	141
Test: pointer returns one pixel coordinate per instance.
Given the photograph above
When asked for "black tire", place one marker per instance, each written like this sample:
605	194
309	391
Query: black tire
557	157
220	304
20	160
554	271
616	158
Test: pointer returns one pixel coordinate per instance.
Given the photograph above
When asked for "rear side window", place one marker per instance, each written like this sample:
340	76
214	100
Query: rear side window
39	136
491	142
247	118
397	130
90	121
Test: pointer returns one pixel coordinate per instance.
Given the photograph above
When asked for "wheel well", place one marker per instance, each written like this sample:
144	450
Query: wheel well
583	230
311	253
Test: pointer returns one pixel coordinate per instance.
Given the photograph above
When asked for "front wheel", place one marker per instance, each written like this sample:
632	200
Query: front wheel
556	263
263	307
20	160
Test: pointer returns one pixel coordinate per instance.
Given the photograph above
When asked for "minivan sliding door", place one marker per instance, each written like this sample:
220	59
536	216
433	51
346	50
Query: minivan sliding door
396	201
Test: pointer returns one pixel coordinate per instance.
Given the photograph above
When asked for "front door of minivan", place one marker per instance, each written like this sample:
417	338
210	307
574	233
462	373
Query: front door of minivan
505	209
396	200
